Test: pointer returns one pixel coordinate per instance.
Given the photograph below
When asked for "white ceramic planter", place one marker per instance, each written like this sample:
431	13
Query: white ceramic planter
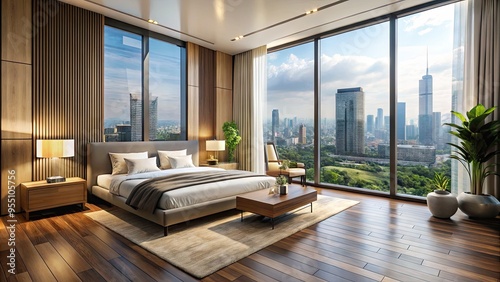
478	206
442	204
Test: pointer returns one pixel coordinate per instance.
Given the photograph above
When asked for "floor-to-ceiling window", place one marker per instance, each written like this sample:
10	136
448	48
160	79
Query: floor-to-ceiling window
357	108
290	104
136	63
122	85
425	77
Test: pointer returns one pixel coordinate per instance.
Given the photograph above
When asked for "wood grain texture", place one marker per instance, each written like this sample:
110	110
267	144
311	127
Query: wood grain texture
223	113
16	101
68	80
379	239
223	70
16	31
17	159
193	64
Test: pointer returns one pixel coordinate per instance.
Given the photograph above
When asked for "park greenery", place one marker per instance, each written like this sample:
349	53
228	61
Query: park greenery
413	180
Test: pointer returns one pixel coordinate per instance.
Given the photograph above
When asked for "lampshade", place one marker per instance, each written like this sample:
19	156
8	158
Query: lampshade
216	145
55	148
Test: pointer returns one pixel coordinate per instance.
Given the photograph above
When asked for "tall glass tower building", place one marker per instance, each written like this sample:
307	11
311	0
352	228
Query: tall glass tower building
350	113
425	109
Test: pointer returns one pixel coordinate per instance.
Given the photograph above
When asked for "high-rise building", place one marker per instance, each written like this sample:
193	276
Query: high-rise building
401	123
302	134
350	113
379	121
153	117
425	109
275	127
369	124
135	117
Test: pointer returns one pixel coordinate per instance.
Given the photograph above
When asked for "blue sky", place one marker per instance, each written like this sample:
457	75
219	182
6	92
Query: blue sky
122	64
360	58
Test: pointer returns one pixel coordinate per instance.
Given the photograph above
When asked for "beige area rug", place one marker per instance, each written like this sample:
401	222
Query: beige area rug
203	246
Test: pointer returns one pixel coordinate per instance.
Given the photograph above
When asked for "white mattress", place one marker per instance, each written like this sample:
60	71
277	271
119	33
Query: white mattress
189	195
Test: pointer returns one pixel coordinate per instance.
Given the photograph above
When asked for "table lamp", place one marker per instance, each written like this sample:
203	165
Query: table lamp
215	146
55	149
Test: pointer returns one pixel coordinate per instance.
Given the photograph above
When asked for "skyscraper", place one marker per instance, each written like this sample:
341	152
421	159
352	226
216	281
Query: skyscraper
379	121
401	124
275	123
135	117
425	109
369	124
153	117
350	112
302	134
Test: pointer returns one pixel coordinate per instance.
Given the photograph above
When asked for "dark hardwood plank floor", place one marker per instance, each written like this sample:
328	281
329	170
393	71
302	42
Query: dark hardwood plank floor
379	239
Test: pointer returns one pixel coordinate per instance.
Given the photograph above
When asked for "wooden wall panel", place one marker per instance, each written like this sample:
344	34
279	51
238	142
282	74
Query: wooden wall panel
207	99
193	62
192	109
16	31
224	71
68	79
16	111
17	158
16	101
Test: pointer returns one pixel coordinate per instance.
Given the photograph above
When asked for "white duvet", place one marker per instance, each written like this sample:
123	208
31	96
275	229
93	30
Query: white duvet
123	184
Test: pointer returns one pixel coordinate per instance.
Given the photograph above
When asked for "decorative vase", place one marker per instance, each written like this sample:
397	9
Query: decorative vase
478	206
283	189
442	204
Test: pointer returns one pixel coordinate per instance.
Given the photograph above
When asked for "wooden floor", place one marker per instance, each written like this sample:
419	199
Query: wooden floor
377	240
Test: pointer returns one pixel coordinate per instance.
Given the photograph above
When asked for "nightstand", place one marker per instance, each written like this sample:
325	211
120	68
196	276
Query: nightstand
229	166
40	195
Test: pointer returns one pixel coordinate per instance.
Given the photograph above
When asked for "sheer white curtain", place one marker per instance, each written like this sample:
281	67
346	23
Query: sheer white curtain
482	65
249	95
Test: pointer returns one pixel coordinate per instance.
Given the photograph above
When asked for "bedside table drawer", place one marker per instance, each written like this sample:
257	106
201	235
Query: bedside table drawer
40	195
56	196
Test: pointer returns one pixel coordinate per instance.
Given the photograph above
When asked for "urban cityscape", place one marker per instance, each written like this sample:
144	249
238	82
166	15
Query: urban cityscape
355	147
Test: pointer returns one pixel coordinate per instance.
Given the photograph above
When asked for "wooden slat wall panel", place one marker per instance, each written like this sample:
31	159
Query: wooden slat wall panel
207	99
68	57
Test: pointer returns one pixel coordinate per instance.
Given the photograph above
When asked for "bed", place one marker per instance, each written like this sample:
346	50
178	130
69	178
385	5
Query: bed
205	199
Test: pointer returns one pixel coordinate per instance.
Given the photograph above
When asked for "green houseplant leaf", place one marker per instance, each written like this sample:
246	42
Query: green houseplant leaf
232	137
478	139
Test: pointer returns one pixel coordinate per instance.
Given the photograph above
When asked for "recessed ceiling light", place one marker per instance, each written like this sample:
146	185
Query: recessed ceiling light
237	38
152	21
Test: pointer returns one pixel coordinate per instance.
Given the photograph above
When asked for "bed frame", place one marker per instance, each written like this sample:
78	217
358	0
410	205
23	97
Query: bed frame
98	162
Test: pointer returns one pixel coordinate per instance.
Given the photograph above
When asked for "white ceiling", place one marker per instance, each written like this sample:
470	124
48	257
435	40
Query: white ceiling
213	23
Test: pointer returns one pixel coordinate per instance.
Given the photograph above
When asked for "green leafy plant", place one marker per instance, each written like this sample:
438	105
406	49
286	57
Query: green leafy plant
477	144
281	180
441	182
285	164
232	137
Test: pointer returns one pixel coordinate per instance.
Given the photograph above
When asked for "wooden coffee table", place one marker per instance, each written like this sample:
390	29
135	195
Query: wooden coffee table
262	203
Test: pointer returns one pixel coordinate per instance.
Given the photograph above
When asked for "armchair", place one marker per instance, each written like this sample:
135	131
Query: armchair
273	164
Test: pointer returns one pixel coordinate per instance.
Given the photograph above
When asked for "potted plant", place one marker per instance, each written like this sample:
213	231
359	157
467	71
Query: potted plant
282	182
441	203
478	140
233	138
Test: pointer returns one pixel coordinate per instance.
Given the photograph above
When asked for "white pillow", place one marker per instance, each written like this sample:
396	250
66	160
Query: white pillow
163	155
118	163
180	162
141	165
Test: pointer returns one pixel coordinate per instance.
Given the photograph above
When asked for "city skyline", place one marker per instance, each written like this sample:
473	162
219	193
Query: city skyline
347	63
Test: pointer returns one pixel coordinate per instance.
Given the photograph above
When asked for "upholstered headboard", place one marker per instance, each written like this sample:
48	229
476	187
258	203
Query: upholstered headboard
98	161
